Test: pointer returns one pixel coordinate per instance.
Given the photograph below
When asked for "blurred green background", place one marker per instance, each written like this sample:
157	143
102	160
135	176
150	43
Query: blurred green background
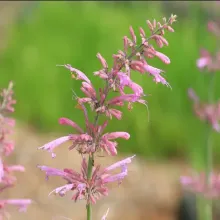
45	34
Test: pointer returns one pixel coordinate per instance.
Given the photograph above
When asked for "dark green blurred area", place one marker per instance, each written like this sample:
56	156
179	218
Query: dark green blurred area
72	32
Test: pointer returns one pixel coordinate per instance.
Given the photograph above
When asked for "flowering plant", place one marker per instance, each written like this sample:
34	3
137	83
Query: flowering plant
91	182
7	178
206	183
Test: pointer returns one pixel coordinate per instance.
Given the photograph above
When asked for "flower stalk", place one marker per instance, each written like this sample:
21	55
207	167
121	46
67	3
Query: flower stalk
91	183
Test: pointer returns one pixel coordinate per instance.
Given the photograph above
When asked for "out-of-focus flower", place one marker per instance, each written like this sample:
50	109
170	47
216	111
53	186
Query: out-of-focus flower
214	27
205	59
90	190
206	112
197	183
7	179
104	217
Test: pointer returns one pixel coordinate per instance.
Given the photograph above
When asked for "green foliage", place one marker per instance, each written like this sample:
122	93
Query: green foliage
71	32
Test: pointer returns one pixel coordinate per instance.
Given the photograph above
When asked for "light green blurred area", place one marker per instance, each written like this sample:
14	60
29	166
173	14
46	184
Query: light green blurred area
72	32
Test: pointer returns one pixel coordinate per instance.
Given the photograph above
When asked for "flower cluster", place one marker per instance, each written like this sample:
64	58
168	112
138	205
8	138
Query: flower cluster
206	112
91	189
7	178
197	183
207	184
91	182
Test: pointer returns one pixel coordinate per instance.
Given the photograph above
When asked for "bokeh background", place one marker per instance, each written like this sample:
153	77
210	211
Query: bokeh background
36	36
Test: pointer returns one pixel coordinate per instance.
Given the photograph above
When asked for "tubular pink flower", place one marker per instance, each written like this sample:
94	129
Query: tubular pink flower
15	168
123	98
21	203
114	135
109	146
102	60
66	121
126	81
162	57
88	90
101	74
80	75
133	35
53	144
114	112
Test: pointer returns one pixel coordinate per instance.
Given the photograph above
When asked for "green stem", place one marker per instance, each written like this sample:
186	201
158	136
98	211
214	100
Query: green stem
89	175
205	209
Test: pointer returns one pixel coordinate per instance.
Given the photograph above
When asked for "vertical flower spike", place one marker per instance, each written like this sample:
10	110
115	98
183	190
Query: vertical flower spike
7	178
91	183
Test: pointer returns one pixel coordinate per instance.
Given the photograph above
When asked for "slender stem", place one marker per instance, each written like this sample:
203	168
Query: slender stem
208	151
89	174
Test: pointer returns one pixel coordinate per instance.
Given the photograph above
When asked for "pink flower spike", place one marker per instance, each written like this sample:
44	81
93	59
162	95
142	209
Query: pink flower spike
53	144
66	121
80	75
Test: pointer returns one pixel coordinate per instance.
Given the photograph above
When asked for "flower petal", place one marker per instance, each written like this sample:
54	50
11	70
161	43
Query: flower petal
79	74
119	163
53	144
66	121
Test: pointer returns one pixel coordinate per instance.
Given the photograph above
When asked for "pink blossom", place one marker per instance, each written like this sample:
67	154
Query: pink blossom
53	144
214	28
205	59
80	75
206	112
113	112
102	74
82	188
102	60
124	80
21	203
123	98
66	121
88	90
162	57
